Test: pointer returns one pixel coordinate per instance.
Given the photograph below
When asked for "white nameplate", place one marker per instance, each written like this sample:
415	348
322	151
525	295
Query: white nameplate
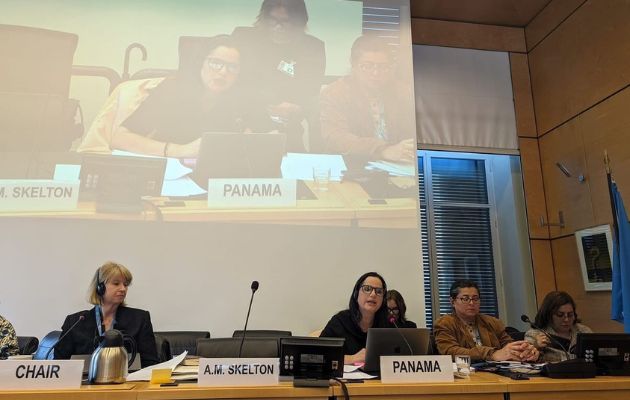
40	374
414	369
38	195
251	193
238	371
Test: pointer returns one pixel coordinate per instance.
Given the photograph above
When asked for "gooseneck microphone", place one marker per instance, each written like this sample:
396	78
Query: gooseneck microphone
392	320
254	288
81	318
553	340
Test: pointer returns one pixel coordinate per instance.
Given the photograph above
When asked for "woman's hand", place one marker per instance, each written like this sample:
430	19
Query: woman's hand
542	341
403	151
359	357
188	150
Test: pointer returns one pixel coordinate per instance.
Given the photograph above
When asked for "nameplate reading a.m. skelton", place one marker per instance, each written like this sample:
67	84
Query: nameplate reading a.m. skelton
38	195
412	369
44	374
238	371
254	193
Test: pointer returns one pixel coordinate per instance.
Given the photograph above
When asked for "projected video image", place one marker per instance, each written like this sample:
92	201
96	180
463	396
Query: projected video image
207	110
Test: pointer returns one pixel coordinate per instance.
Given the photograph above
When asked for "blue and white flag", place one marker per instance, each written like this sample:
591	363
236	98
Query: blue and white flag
621	263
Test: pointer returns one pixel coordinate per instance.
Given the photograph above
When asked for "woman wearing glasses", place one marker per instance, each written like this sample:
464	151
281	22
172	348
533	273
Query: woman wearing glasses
367	309
557	316
201	97
397	309
468	332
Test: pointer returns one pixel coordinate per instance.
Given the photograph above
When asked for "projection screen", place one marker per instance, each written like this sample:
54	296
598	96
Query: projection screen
206	144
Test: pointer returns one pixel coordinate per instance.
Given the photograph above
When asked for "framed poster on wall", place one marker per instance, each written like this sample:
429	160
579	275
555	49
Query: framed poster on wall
595	252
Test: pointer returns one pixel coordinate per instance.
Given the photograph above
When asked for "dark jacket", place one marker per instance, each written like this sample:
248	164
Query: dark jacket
83	339
341	325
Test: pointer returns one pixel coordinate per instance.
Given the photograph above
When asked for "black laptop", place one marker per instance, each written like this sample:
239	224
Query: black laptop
394	342
239	155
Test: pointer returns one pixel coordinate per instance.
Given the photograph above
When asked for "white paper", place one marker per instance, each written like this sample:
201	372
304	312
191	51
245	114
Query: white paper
181	187
357	375
145	373
174	168
392	168
300	165
67	172
350	368
44	374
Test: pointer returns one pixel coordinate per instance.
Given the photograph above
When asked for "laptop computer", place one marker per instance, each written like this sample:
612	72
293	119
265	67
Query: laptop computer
391	342
239	155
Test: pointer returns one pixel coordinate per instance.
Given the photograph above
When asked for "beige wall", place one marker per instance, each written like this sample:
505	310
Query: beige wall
570	72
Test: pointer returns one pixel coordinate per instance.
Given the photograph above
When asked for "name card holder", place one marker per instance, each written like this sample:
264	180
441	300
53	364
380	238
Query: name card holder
252	193
416	369
239	371
38	195
40	374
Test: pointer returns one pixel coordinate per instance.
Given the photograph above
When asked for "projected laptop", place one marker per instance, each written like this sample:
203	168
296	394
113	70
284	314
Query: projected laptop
239	155
391	342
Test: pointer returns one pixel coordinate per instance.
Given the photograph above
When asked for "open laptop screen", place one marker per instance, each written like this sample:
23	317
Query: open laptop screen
394	342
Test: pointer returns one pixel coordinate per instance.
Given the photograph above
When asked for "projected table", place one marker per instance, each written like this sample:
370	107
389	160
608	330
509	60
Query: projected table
344	204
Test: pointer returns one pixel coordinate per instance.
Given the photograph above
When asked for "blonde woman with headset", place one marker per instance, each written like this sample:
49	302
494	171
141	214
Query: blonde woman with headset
81	331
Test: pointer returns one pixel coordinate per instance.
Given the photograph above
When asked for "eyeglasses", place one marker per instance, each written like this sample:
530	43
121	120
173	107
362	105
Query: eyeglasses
393	310
468	300
369	288
372	67
216	64
567	315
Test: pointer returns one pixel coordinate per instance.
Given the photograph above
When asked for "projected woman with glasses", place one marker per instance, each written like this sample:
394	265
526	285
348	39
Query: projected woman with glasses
202	97
368	113
468	332
367	309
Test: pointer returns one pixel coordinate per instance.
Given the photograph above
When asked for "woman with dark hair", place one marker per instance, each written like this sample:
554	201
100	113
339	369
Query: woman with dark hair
283	67
397	308
468	332
366	309
557	316
202	97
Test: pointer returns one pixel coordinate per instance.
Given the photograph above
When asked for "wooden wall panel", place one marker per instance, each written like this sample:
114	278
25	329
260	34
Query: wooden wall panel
607	127
523	102
468	36
534	188
593	307
548	19
583	61
566	194
542	261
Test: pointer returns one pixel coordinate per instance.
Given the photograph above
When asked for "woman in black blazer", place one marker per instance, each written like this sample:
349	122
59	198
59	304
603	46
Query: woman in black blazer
107	292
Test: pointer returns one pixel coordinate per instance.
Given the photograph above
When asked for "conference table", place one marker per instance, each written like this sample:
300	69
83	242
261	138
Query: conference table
343	204
481	385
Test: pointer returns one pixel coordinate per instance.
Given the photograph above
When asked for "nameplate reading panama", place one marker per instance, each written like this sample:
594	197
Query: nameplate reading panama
41	374
238	371
38	195
412	369
251	193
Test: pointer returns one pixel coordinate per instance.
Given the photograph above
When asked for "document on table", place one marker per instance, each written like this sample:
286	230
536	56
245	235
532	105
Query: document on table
145	373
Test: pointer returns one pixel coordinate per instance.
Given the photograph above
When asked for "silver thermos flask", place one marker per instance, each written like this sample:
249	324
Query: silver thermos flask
109	362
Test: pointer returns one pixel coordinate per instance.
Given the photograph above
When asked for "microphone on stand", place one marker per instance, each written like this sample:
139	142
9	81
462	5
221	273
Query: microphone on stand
254	288
392	320
81	318
553	340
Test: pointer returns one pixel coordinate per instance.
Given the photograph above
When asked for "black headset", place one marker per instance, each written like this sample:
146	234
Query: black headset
100	286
